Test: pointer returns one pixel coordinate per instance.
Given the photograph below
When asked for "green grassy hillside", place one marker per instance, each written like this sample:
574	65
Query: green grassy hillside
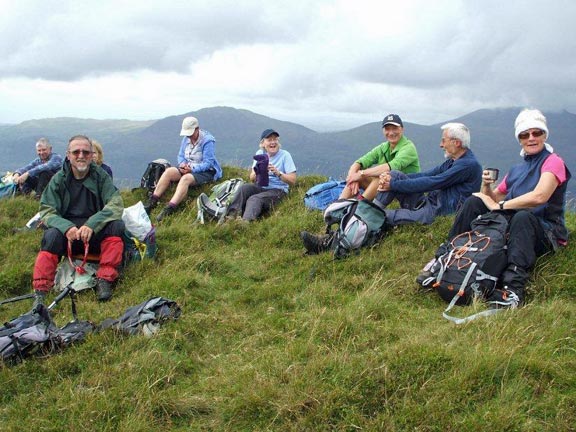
270	339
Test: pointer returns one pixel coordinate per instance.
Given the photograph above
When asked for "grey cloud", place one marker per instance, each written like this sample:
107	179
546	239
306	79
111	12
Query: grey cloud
68	43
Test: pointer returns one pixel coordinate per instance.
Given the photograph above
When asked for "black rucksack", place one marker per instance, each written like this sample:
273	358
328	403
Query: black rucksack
359	224
153	172
472	262
34	333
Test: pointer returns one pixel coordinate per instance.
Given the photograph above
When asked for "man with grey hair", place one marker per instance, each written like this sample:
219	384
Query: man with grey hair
35	176
425	195
439	191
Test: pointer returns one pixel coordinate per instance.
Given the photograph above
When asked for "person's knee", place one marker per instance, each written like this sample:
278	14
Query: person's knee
187	180
253	201
171	174
254	206
371	190
115	228
473	203
521	220
53	241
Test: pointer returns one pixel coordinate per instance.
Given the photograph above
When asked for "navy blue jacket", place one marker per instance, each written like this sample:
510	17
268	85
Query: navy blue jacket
455	180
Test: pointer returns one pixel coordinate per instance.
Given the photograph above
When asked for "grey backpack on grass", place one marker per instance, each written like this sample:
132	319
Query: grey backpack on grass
144	318
215	206
34	333
359	224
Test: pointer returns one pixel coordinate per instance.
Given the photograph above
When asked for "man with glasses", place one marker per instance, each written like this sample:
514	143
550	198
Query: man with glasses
81	208
425	195
35	176
197	165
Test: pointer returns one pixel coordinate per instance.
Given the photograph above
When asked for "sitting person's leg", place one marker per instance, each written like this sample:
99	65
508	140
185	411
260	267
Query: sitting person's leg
238	205
423	212
109	243
42	181
348	193
371	190
526	241
186	182
261	202
170	175
471	209
53	246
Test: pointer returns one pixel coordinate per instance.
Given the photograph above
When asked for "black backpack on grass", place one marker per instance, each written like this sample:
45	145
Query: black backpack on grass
153	172
472	262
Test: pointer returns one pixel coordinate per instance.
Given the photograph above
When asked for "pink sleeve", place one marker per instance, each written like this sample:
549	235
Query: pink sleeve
555	165
502	187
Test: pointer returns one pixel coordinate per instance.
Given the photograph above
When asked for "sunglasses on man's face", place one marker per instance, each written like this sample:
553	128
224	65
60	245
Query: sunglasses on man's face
76	153
537	133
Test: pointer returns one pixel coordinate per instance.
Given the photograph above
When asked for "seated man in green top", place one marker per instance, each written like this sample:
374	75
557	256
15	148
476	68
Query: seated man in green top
397	153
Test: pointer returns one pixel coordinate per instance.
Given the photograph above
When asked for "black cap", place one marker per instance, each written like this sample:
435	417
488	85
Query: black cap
393	119
268	132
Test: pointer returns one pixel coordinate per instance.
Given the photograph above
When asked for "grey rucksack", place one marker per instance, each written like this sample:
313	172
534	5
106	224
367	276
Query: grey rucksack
359	224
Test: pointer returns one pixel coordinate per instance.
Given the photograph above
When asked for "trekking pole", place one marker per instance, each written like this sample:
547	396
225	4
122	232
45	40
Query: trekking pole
60	296
17	298
73	305
69	290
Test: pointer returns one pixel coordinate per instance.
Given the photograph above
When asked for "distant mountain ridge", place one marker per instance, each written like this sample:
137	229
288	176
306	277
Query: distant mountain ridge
130	145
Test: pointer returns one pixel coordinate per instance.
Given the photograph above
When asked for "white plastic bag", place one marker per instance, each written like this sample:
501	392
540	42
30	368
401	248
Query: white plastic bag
137	221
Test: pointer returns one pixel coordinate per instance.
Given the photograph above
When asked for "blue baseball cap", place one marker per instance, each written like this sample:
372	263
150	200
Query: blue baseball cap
268	132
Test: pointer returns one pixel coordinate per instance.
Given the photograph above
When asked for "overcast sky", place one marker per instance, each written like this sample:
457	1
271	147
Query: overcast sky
327	64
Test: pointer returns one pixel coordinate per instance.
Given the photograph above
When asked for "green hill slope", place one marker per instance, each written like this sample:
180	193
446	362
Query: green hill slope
270	339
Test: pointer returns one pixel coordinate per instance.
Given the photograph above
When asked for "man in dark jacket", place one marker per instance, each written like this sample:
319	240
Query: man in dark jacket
80	206
425	195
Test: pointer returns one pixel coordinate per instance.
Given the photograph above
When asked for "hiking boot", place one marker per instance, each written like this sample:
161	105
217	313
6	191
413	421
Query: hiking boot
425	279
504	298
166	211
103	290
316	244
39	299
149	206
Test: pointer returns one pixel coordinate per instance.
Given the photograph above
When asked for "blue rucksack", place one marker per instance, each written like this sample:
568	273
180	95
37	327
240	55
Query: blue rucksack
7	187
318	197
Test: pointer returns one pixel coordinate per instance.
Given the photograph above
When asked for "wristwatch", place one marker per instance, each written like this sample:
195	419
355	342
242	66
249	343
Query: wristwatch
501	204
